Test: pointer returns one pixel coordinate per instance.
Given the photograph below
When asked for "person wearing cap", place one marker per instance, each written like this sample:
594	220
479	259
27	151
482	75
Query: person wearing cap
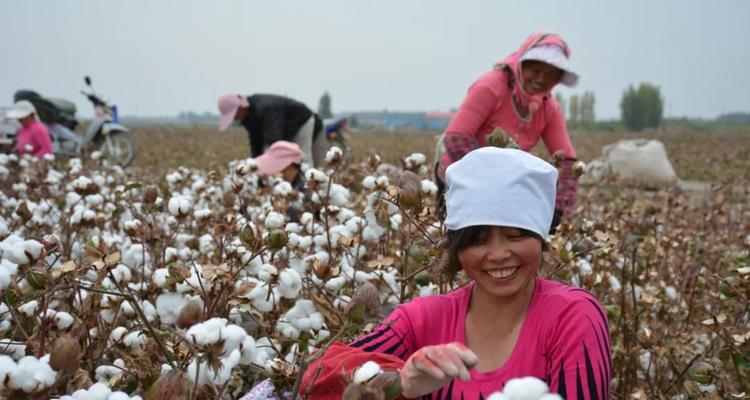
507	322
285	159
269	118
32	138
516	96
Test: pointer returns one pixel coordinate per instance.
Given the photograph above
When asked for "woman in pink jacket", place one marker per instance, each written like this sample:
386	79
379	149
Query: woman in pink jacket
33	137
516	97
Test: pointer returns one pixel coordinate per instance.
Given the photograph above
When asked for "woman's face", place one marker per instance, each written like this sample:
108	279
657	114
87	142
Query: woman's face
503	261
539	77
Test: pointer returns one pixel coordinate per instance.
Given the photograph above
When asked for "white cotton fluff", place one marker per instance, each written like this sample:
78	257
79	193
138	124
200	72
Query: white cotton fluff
19	251
261	299
63	320
313	174
369	182
198	372
135	256
333	153
121	273
224	372
248	351
28	308
365	372
81	183
7	365
528	388
179	205
168	307
267	272
289	284
382	181
302	317
614	283
15	350
428	187
104	373
203	214
282	189
32	374
159	277
671	293
134	340
274	220
233	337
584	266
415	160
206	333
117	334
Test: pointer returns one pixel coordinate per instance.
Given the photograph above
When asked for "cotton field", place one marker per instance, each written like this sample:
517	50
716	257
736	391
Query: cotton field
200	283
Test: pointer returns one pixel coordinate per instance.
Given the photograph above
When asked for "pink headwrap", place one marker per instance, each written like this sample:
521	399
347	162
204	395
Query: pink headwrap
513	63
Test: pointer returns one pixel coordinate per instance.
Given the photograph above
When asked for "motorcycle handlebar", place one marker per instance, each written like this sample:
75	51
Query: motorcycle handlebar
93	99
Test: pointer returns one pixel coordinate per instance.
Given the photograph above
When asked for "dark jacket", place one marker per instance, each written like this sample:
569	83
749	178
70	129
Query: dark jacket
272	118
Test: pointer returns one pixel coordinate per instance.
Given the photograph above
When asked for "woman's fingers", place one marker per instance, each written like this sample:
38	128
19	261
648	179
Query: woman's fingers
444	358
467	356
422	363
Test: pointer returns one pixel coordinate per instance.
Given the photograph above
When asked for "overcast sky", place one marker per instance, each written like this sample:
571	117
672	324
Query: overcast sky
160	57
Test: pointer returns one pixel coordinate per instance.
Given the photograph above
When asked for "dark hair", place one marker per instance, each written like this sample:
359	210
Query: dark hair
460	239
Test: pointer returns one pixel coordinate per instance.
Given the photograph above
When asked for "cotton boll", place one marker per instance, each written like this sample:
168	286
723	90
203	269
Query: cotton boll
369	182
28	308
274	220
119	396
179	206
614	283
248	351
63	320
98	391
289	283
365	372
121	273
14	349
267	273
224	372
159	277
525	388
428	187
208	332
7	365
168	307
233	337
134	340
282	189
31	374
261	299
335	284
104	373
197	373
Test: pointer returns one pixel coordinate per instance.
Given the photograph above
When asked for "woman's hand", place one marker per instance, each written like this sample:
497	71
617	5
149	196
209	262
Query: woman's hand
433	367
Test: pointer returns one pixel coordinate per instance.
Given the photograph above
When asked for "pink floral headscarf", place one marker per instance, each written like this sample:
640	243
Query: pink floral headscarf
513	63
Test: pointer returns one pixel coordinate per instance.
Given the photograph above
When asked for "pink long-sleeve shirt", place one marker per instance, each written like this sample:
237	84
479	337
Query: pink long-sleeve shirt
34	134
489	105
564	341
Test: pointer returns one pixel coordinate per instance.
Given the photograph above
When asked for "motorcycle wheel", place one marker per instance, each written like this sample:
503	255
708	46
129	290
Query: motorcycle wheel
119	149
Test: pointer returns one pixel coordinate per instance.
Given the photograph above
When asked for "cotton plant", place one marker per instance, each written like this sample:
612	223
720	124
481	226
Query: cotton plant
528	388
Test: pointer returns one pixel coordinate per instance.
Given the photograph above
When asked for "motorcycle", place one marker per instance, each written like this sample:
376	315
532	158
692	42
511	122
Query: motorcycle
104	134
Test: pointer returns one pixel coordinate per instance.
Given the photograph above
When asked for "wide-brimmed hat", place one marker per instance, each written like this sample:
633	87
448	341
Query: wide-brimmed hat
555	56
21	109
501	187
228	106
280	155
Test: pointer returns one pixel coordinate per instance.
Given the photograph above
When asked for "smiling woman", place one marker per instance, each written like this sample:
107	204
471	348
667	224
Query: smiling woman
507	323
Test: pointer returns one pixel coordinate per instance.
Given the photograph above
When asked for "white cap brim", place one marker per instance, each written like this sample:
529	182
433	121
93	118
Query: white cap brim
16	114
553	55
